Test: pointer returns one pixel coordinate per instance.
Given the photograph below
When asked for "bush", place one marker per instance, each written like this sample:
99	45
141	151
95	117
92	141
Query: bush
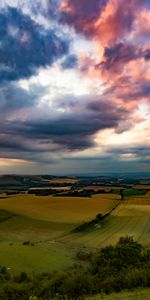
23	277
84	255
111	269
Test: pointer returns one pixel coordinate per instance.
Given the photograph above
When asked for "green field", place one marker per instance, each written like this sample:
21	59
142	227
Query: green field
34	259
143	294
41	254
133	192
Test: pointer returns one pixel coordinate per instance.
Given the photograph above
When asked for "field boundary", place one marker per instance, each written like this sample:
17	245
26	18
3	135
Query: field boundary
100	217
6	217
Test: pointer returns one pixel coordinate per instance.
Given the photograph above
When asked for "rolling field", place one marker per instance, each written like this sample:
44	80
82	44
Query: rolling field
126	219
42	253
72	210
47	222
42	221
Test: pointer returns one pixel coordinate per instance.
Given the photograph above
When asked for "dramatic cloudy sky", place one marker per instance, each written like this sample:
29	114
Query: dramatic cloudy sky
74	86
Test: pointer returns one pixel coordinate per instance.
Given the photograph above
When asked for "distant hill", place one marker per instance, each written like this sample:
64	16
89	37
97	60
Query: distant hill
31	180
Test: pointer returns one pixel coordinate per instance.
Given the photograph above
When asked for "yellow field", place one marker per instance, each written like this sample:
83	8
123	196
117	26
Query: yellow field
139	200
64	188
106	197
103	187
61	180
142	186
59	209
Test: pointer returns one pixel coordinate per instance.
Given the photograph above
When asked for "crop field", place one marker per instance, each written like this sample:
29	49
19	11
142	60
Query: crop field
142	186
54	188
61	180
139	199
126	219
103	187
71	210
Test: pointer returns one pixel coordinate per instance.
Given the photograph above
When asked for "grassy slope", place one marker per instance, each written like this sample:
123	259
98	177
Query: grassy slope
20	229
33	258
45	255
143	294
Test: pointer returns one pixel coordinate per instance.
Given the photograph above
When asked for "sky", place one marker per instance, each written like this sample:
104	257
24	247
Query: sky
74	86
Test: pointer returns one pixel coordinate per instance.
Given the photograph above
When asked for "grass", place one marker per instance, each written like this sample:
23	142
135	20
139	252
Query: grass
18	258
141	294
133	192
42	254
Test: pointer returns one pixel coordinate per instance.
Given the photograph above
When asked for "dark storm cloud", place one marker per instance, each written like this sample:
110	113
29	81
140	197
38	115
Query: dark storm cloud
118	157
108	107
69	131
134	153
12	144
26	46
